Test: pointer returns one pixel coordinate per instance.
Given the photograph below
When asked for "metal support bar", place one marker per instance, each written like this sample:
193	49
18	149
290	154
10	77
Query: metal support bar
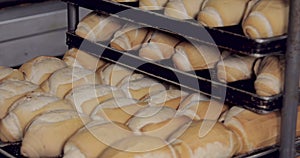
73	17
290	98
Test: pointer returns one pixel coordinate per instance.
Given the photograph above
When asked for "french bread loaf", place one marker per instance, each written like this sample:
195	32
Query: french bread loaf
12	90
47	134
98	27
10	73
63	80
267	19
85	98
38	69
194	56
78	58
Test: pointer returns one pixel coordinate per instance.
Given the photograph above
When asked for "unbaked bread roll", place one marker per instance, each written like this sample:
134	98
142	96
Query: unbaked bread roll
183	9
270	76
219	142
219	13
92	139
150	115
10	73
152	4
117	110
141	88
129	37
267	19
255	130
135	147
12	90
194	56
165	128
47	134
78	58
113	74
63	80
170	98
236	67
85	98
38	69
24	110
203	110
98	27
160	46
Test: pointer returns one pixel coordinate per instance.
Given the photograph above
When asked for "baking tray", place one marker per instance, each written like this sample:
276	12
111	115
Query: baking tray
240	93
12	150
230	38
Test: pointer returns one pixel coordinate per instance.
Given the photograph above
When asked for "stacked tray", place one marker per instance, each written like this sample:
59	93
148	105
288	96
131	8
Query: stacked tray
230	38
239	93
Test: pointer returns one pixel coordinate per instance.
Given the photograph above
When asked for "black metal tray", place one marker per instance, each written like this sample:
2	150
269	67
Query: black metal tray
230	38
12	150
240	93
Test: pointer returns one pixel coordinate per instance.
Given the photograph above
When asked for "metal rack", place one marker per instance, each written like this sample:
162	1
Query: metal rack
262	47
199	81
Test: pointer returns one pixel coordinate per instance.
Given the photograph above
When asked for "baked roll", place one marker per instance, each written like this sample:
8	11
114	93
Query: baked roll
254	130
63	80
47	134
10	73
141	88
38	69
183	9
270	76
78	58
92	139
194	56
152	4
170	98
150	115
195	97
135	146
85	98
12	90
236	67
165	128
113	74
117	110
203	110
129	78
219	13
21	113
267	19
129	37
160	46
98	27
219	142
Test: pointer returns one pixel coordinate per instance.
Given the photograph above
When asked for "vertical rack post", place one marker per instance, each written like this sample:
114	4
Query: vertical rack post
73	17
290	97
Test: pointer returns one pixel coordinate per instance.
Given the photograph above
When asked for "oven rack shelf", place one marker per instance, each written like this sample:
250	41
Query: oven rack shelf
233	94
229	38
